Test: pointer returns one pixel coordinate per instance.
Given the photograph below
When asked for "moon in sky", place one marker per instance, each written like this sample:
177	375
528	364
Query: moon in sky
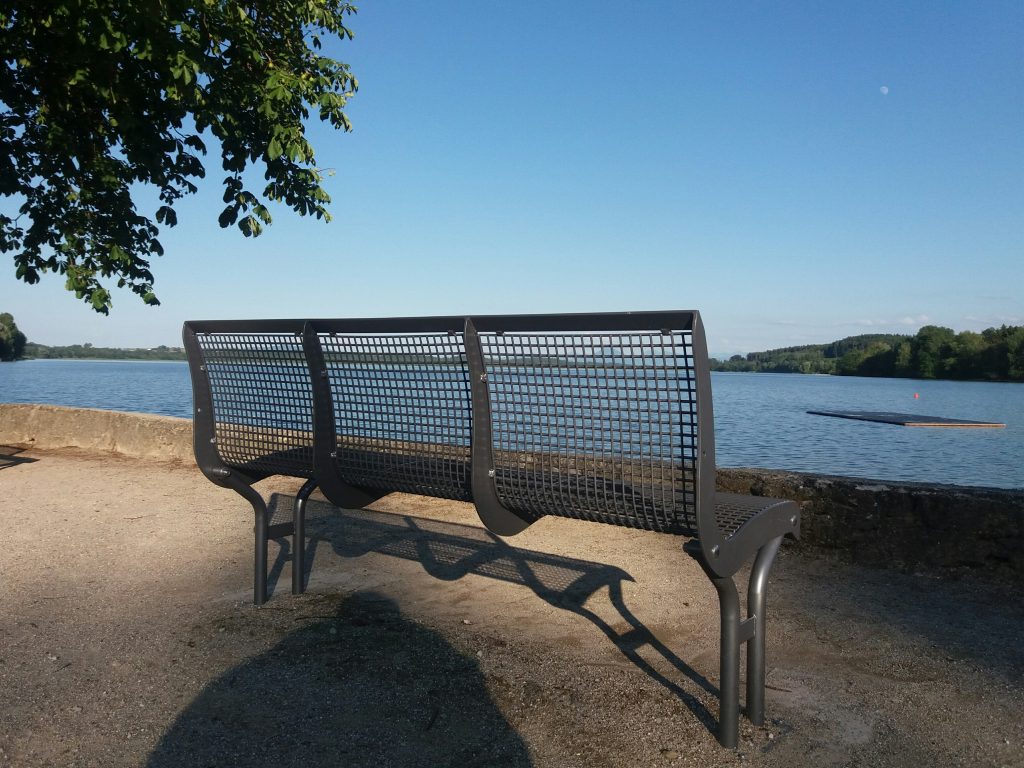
885	90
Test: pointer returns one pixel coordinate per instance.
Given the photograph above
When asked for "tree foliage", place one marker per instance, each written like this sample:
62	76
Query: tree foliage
12	341
100	96
809	358
933	353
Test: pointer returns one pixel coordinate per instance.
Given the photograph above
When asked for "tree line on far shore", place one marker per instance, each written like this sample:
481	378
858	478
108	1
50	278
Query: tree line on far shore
88	351
995	354
15	346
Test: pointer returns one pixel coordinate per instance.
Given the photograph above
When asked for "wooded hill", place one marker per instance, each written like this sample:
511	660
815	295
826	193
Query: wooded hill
995	354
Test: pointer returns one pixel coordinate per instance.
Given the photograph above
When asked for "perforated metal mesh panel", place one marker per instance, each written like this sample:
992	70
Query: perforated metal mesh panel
262	401
732	510
595	426
402	411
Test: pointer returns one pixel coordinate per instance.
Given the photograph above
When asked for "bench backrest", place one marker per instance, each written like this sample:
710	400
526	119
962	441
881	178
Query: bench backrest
601	417
598	417
252	397
393	405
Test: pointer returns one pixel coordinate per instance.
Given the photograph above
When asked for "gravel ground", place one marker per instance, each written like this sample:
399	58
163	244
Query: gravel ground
127	638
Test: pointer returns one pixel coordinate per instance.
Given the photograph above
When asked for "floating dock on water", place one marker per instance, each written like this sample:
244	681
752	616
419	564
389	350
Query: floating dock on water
906	419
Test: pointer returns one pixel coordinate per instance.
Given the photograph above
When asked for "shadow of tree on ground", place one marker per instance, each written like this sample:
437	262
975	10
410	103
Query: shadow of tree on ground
361	687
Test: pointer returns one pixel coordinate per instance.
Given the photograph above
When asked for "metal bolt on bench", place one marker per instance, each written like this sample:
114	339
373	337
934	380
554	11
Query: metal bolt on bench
600	417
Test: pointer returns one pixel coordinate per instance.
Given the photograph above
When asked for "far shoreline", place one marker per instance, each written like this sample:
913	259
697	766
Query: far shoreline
100	360
184	359
857	376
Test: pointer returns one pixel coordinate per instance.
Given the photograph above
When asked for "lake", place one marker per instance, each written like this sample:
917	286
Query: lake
760	419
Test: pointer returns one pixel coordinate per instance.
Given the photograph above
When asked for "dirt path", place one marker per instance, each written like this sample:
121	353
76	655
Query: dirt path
127	638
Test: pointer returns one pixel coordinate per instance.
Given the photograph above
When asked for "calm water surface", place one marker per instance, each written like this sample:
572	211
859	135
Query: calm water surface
760	419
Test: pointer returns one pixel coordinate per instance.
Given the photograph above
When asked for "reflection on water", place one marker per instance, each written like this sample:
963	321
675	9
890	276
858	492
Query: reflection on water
761	419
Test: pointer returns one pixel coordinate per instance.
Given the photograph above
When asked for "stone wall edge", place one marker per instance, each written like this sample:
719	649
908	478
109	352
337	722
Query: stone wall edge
137	435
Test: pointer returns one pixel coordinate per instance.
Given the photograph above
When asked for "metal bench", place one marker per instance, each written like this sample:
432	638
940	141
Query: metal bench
601	417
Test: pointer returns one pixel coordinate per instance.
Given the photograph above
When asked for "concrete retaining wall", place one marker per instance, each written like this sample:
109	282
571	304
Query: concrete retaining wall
48	427
907	524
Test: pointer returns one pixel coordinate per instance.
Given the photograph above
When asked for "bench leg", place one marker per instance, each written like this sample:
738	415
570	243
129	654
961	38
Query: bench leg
757	594
262	532
259	577
299	538
261	535
734	632
729	662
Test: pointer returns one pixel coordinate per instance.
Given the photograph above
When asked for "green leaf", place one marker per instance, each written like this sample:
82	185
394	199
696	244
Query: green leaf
100	300
228	216
166	215
250	226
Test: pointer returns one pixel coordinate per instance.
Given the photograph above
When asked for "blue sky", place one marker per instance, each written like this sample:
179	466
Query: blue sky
799	172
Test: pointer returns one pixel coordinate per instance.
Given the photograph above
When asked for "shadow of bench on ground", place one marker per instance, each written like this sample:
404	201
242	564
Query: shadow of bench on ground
450	551
9	457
